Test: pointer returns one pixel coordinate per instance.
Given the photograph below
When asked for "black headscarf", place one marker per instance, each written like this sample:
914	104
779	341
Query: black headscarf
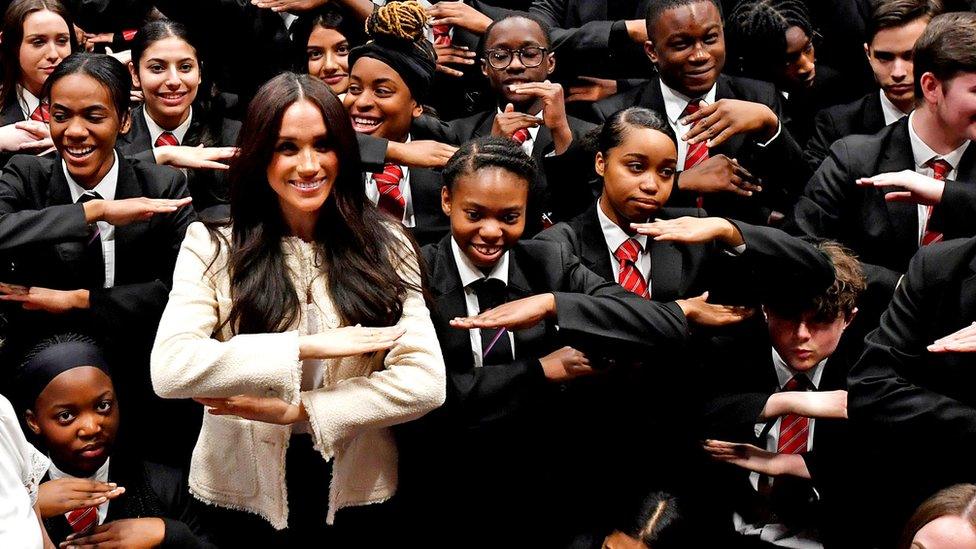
53	360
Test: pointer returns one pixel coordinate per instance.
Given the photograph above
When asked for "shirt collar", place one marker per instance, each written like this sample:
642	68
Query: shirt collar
675	101
922	153
614	235
891	113
106	187
100	475
470	273
288	18
784	373
155	130
28	102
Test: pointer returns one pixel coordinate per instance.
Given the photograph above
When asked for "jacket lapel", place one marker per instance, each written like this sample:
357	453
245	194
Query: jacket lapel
902	216
449	301
69	252
519	287
128	238
667	267
595	255
872	114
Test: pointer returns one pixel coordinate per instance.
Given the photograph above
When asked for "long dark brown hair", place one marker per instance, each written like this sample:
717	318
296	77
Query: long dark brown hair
361	255
13	36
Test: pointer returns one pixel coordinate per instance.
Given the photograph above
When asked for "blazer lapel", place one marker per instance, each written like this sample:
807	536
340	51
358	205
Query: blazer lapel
138	138
449	301
873	114
902	216
128	238
595	254
69	252
519	287
543	144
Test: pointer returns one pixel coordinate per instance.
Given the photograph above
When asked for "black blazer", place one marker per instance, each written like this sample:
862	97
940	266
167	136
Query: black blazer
883	234
779	165
564	186
425	194
915	410
864	116
207	187
152	491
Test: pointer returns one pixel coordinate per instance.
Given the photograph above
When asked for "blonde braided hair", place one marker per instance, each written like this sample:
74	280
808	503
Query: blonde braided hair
403	20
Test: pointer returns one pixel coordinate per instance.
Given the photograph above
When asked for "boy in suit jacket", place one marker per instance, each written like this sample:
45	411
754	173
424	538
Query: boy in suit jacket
717	119
934	141
893	29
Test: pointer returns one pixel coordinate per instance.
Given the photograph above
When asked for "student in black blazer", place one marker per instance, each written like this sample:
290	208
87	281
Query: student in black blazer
742	118
490	456
91	237
70	406
892	31
389	79
176	110
535	116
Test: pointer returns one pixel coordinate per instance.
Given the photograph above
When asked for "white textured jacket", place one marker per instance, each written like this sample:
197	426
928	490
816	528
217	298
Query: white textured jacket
240	464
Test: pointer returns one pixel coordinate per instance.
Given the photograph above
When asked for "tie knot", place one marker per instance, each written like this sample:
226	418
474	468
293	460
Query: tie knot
692	108
42	113
799	382
167	139
521	136
490	292
391	174
628	251
940	167
88	196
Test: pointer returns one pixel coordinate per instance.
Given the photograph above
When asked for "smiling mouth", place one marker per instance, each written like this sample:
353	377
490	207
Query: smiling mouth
334	78
308	186
172	98
363	124
485	250
79	153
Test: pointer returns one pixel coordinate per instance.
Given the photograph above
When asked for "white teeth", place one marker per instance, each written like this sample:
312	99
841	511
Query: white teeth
365	121
80	152
308	185
487	250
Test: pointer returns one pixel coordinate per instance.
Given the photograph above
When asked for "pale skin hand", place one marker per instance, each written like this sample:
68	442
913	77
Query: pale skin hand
816	404
137	533
565	364
13	138
756	459
719	173
263	409
916	188
348	341
57	497
509	121
456	55
289	5
637	30
691	230
962	341
51	301
698	311
420	154
130	210
199	157
41	133
724	118
514	315
553	111
458	14
592	89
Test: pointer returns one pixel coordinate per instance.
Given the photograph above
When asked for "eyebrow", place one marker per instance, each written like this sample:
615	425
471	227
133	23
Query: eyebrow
164	61
89	108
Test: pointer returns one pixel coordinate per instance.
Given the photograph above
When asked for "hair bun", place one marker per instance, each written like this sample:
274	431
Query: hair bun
398	20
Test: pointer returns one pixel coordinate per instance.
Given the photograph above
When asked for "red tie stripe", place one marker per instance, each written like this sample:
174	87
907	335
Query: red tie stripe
630	276
129	34
167	139
941	169
82	520
697	153
42	113
794	430
521	136
442	35
388	182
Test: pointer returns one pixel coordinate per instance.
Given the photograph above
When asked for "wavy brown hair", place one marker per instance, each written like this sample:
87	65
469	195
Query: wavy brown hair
361	254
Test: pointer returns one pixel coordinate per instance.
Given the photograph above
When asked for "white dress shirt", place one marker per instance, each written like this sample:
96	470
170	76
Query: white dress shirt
891	113
28	103
470	274
373	194
922	154
101	475
155	130
615	236
106	232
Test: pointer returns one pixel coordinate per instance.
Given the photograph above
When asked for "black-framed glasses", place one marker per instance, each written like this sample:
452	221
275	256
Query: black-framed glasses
530	57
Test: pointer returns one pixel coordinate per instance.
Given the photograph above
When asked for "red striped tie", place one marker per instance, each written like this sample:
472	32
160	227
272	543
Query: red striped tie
941	169
521	136
442	35
793	429
388	182
698	152
167	139
82	520
42	113
630	276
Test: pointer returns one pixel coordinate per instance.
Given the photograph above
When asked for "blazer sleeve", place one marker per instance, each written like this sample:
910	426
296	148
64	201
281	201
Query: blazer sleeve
186	360
881	393
955	216
372	152
22	221
780	162
411	383
824	135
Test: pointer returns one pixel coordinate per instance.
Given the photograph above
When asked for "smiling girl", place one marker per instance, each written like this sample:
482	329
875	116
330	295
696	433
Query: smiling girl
324	39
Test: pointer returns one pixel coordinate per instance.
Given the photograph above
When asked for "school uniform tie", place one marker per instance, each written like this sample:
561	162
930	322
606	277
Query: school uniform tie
42	113
496	348
388	182
442	35
521	136
82	520
166	139
630	276
941	169
794	430
698	152
94	262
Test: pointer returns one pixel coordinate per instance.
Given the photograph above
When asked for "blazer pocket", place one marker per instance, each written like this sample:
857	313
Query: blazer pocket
226	457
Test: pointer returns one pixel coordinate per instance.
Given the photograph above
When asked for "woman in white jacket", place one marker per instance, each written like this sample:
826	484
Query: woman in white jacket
278	321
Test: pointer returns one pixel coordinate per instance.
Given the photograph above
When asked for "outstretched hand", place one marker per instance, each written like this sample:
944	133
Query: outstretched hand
961	341
717	122
691	230
57	497
199	157
514	315
756	459
815	404
720	173
263	409
698	311
915	187
348	341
